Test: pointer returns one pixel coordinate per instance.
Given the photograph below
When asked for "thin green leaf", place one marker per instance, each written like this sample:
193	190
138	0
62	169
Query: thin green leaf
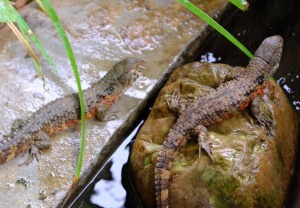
7	12
215	25
52	14
25	30
10	14
241	4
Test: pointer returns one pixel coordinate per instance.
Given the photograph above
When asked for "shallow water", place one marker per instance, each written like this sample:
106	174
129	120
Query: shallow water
264	18
108	188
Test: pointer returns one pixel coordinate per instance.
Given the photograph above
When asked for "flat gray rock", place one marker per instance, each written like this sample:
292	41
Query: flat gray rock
101	33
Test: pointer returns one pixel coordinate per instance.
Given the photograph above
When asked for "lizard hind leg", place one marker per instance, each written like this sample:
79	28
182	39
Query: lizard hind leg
40	142
175	103
201	132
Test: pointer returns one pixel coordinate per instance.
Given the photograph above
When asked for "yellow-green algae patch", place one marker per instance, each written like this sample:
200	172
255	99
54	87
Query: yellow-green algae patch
251	168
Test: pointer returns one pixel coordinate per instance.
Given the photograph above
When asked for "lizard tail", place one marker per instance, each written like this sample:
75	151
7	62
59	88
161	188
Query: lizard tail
162	172
162	176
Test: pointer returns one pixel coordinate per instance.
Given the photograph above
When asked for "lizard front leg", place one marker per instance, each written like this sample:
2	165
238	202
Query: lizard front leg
262	110
102	115
40	142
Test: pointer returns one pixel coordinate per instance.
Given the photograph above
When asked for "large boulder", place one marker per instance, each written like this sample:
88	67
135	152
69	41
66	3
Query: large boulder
251	168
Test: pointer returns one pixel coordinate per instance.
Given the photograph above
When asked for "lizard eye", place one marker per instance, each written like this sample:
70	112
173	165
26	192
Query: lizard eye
260	80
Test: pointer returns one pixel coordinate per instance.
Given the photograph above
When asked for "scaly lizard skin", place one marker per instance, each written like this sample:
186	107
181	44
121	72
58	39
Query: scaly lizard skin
228	99
32	135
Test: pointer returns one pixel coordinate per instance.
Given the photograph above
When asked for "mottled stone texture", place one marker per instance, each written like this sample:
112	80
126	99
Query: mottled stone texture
251	169
101	33
64	113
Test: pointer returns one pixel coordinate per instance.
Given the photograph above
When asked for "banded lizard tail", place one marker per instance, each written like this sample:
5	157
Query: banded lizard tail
225	101
32	135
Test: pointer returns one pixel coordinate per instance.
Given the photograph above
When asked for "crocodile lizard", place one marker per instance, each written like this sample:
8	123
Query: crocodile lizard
211	108
32	135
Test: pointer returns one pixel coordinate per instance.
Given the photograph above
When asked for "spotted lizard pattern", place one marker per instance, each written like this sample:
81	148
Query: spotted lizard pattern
225	101
32	135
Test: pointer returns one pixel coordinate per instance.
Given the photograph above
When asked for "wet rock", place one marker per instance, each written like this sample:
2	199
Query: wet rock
251	168
102	33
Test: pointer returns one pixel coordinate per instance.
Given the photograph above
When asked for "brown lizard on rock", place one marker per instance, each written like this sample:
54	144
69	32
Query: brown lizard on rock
32	135
211	108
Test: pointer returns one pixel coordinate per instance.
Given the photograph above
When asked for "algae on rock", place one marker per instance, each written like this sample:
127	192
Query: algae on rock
251	168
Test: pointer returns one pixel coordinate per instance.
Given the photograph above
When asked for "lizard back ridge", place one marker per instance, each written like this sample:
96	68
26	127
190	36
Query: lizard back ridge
62	113
229	98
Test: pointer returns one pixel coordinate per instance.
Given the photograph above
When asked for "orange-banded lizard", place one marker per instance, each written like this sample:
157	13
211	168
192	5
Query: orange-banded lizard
225	101
32	135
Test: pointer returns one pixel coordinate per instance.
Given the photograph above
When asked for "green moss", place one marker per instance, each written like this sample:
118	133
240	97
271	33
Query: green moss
221	186
165	129
223	163
147	161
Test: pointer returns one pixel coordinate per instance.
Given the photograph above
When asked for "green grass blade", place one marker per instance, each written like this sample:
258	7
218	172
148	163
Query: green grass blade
26	32
215	25
52	14
241	4
7	12
10	14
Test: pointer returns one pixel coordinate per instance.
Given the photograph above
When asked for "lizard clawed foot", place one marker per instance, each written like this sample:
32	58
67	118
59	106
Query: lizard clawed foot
262	111
41	141
111	117
201	131
206	147
174	102
33	152
103	116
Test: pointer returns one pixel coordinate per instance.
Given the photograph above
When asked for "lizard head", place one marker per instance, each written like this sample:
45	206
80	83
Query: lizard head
270	52
129	70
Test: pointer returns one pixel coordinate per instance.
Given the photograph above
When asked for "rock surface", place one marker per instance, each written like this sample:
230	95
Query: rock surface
101	33
251	169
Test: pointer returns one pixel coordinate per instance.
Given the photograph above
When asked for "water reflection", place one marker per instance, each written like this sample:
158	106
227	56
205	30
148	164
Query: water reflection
264	18
209	57
109	192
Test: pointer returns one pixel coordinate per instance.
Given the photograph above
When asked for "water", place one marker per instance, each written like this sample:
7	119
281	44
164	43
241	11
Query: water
109	192
108	189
